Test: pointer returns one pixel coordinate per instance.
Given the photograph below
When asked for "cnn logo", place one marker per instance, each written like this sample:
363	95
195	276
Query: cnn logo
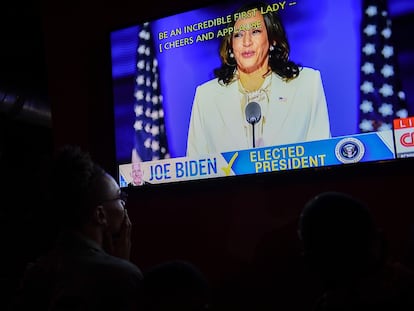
404	136
407	139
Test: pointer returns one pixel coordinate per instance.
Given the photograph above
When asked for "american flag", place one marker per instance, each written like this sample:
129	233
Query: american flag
381	96
150	136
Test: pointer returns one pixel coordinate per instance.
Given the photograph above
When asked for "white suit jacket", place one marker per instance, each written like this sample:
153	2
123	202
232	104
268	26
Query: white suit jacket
297	112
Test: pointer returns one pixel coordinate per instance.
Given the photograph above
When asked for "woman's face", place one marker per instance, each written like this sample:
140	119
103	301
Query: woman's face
113	203
250	43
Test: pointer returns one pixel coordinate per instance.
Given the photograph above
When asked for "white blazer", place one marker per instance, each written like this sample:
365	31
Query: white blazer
297	112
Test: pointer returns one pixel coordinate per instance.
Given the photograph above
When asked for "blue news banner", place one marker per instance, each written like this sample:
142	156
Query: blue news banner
334	151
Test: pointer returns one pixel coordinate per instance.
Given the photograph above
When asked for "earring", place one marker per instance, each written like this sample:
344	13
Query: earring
271	48
231	54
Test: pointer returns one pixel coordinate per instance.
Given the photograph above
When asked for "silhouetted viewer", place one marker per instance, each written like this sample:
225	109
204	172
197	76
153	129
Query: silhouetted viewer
345	249
89	267
176	286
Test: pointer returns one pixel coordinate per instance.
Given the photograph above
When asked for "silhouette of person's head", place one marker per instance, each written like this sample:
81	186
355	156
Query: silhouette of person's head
83	191
339	237
176	285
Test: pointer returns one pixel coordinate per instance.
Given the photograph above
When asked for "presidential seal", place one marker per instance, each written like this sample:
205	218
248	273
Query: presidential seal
349	150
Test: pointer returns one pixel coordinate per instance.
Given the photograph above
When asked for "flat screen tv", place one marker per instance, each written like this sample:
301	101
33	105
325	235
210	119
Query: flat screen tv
157	66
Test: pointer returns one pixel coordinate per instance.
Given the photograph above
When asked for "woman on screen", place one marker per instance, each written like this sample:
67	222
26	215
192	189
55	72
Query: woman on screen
259	97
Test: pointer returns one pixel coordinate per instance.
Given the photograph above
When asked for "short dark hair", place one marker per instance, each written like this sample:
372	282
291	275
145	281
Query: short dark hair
338	233
73	174
336	215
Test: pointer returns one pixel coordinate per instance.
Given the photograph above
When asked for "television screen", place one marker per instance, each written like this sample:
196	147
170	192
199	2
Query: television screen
238	88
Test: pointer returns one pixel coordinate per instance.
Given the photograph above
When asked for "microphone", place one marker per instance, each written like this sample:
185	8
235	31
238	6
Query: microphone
253	115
